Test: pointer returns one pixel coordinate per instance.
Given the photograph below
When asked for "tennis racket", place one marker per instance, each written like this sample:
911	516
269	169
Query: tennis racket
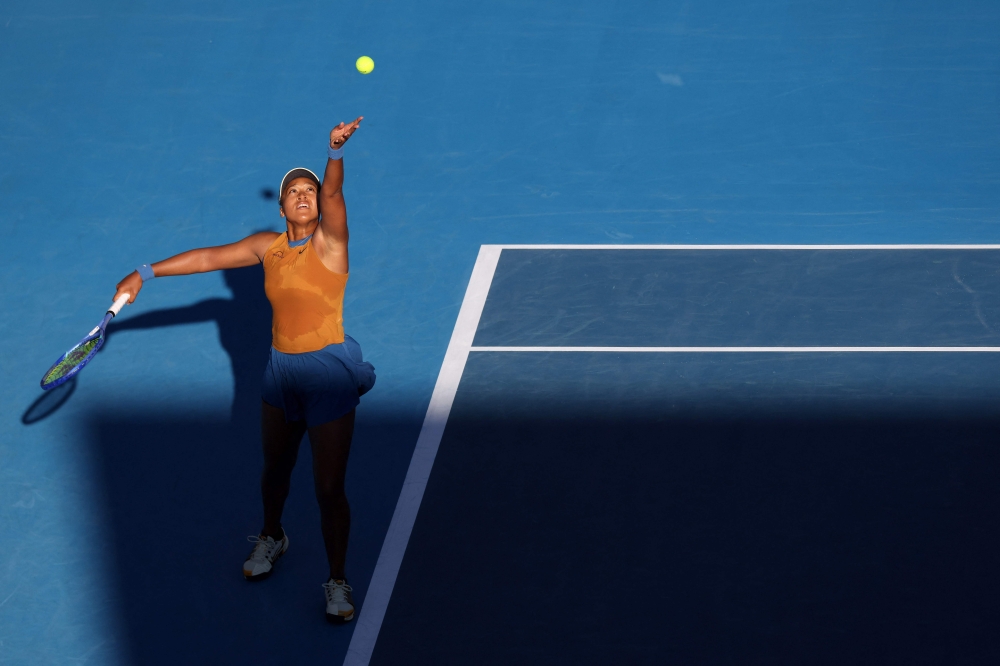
72	362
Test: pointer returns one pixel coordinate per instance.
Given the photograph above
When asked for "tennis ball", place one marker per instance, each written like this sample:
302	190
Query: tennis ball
365	65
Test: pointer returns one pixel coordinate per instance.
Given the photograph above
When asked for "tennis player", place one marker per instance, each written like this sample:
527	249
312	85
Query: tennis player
315	374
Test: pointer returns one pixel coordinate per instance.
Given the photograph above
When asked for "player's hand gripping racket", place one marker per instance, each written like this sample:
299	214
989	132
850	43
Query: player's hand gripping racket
72	362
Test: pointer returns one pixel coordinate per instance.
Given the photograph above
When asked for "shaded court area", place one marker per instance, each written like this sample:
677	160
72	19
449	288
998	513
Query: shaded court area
180	493
181	496
714	507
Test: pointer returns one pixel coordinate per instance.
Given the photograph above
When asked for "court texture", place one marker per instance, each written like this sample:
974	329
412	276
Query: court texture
686	320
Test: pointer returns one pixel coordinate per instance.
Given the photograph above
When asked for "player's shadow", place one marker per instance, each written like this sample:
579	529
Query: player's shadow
181	496
244	324
244	331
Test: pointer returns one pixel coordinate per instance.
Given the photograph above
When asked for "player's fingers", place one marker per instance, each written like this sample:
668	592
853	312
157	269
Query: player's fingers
130	285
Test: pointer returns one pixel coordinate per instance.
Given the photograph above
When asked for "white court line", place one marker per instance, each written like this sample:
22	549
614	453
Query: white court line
750	247
741	350
393	548
359	652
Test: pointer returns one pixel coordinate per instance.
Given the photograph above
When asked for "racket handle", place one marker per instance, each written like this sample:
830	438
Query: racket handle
117	305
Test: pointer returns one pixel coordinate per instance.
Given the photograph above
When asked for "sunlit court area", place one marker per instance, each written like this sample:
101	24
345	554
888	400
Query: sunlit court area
685	319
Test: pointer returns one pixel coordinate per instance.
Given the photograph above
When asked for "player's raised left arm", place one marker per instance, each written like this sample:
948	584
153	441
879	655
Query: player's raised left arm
333	210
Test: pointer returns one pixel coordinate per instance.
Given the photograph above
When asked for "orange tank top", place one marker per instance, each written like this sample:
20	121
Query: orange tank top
307	298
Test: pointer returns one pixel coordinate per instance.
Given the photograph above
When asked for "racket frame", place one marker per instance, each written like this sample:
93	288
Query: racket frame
98	333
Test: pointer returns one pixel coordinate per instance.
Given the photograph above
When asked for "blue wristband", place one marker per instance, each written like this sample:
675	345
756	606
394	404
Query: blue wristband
337	154
145	272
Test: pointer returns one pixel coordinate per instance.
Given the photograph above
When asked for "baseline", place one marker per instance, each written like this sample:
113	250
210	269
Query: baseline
739	350
359	652
753	247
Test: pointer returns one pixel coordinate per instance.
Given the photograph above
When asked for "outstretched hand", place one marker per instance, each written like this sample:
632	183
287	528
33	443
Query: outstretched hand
342	132
131	284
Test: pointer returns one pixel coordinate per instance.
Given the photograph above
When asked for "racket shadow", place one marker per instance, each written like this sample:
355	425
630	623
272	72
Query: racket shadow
48	403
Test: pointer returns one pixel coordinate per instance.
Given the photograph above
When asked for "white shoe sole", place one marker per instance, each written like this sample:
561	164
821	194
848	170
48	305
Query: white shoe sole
339	619
266	574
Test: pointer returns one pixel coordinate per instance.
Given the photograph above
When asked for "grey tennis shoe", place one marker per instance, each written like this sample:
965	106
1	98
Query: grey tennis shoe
265	554
339	602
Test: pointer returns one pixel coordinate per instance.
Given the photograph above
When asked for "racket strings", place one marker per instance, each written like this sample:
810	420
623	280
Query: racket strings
74	357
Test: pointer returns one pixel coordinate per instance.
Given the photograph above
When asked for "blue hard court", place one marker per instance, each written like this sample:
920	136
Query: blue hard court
731	509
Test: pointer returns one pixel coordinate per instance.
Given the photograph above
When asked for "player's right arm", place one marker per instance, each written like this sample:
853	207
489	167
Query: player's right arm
246	252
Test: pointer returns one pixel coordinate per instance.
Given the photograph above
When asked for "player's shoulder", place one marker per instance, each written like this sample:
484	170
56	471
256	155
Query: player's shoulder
260	241
263	237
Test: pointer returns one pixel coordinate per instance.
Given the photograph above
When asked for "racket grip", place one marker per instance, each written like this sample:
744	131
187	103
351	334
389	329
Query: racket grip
117	305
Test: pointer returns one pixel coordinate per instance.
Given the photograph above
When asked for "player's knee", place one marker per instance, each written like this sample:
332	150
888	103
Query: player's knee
330	491
276	475
280	461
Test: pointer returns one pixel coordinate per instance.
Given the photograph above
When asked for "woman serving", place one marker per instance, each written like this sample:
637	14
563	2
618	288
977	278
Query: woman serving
315	375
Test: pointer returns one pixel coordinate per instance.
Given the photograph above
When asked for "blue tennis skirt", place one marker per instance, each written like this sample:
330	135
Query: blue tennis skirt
317	386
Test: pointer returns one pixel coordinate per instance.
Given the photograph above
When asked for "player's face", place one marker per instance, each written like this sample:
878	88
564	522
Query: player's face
299	203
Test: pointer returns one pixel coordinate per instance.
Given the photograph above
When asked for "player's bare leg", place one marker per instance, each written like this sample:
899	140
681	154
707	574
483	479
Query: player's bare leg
331	446
281	449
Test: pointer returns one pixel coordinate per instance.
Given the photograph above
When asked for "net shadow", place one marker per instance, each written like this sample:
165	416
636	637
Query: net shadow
181	497
571	537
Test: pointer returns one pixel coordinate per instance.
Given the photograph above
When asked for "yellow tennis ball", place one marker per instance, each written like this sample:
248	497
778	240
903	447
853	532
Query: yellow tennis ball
365	65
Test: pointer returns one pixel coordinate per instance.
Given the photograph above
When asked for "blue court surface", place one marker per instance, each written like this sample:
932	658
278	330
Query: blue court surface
686	320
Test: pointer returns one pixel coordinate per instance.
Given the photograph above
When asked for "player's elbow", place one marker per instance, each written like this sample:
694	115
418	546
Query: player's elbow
208	260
